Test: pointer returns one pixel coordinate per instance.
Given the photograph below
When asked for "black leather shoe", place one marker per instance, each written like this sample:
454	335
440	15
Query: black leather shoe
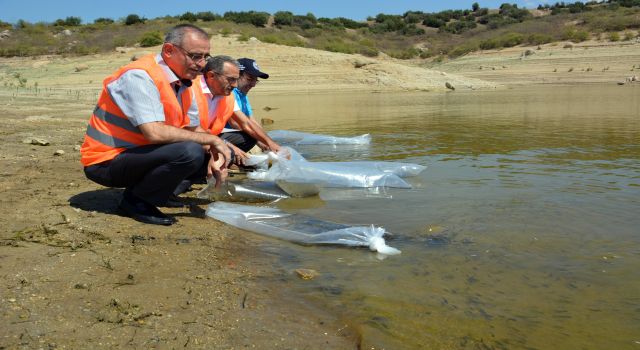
142	211
173	202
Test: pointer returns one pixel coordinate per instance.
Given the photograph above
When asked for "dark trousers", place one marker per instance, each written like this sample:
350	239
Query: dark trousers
239	139
152	172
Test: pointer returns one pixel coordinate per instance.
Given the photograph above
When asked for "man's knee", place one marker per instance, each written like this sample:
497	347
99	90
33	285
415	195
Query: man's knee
192	153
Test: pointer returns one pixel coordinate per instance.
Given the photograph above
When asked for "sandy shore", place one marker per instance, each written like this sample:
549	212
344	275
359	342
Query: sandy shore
76	274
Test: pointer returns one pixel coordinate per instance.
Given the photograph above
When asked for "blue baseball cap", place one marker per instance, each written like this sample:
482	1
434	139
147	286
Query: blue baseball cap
250	66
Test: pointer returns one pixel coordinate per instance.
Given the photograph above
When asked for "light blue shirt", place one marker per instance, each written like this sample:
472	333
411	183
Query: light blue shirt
139	99
243	102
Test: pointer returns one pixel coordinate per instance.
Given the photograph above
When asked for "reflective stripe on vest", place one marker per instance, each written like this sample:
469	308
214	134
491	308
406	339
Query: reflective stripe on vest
108	140
115	120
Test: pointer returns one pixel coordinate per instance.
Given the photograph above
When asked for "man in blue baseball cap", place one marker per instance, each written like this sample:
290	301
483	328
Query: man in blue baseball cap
249	74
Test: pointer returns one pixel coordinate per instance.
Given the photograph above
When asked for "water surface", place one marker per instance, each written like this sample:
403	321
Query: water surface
523	232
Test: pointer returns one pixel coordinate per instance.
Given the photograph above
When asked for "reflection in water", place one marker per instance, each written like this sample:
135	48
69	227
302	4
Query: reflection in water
522	232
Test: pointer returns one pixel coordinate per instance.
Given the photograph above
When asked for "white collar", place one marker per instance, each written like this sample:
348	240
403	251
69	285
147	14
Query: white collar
169	74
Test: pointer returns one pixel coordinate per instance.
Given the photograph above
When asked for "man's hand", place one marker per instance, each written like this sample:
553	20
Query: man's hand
217	168
219	146
272	146
240	155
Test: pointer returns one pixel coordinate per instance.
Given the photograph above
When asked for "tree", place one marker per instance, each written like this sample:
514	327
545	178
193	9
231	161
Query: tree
73	21
208	16
103	20
283	18
189	17
475	7
134	19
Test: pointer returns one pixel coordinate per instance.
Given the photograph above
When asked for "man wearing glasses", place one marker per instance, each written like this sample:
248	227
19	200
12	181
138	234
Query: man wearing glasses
221	76
143	134
233	133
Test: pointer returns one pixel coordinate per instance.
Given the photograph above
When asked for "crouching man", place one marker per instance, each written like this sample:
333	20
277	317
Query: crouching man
144	134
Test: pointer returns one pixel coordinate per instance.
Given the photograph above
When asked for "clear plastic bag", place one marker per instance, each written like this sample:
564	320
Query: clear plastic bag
303	138
246	191
361	174
299	228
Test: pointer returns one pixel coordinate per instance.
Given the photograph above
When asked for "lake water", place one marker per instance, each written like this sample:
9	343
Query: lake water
523	232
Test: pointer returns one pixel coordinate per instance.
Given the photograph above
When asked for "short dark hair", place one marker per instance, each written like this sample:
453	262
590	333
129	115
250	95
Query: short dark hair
216	63
176	34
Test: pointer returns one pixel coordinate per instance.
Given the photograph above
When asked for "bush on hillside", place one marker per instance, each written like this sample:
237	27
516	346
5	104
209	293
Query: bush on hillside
433	21
69	22
505	40
151	39
103	20
188	17
134	19
258	19
208	16
283	18
404	54
458	27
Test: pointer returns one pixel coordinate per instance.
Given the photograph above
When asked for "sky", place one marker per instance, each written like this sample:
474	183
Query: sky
50	10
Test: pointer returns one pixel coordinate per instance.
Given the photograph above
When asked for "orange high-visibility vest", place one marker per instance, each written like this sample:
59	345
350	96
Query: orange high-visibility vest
110	132
213	122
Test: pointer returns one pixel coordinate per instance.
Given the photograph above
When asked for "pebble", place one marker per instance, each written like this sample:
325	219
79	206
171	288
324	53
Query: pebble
307	274
58	152
36	141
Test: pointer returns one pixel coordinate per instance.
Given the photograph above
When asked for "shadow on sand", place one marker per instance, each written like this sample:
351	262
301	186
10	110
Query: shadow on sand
103	200
106	201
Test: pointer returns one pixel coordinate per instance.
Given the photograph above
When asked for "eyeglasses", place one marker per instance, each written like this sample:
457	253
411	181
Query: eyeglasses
195	57
230	80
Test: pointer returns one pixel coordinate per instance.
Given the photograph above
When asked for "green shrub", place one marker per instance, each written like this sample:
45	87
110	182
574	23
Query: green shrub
505	40
134	19
305	22
69	21
462	50
337	45
404	54
368	51
5	25
83	50
388	24
103	20
188	17
283	18
208	16
243	37
312	33
433	21
614	36
119	41
539	39
287	39
575	35
258	19
458	27
151	39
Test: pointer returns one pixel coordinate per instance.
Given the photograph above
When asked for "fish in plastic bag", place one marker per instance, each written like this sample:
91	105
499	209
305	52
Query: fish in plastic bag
303	138
299	228
363	174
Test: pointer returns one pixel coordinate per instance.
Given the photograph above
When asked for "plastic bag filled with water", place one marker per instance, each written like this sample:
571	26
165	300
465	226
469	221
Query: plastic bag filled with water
290	166
299	228
303	138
